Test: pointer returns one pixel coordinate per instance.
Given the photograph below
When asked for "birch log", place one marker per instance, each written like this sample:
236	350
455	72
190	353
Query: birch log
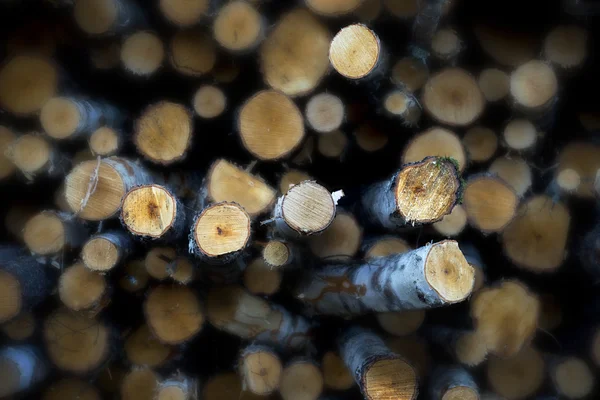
22	367
451	382
431	276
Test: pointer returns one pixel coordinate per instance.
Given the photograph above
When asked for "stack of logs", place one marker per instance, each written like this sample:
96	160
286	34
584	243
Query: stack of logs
317	199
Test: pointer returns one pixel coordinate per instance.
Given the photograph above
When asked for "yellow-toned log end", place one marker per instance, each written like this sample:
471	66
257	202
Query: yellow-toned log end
390	379
387	246
355	51
566	46
325	112
533	85
301	381
184	13
262	279
335	373
105	141
573	378
30	153
238	26
209	101
413	349
490	203
494	84
518	376
584	159
401	323
139	384
223	228
448	272
261	372
80	288
60	117
22	327
332	145
7	167
45	234
515	171
480	143
471	349
341	240
142	348
410	73
452	224
142	53
149	211
276	253
308	208
11	303
158	262
437	142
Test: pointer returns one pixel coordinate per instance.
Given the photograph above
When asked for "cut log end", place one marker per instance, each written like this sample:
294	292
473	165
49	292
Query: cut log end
135	277
453	97
490	203
452	224
173	314
262	279
139	384
335	373
533	85
209	102
340	241
566	46
583	158
291	178
159	261
30	153
514	171
325	112
221	229
11	303
494	84
105	141
301	381
333	144
411	73
308	208
18	328
7	167
427	190
517	377
193	53
386	246
445	44
537	238
270	125
438	142
299	71
45	234
448	273
227	182
276	254
149	211
470	349
142	53
568	180
401	323
74	342
163	132
60	117
573	378
355	51
390	378
81	289
238	26
261	371
520	134
142	348
72	388
27	82
335	8
96	17
505	317
184	13
185	271
480	143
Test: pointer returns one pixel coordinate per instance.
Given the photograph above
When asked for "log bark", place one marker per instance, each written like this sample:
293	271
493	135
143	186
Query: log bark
22	368
431	276
177	387
377	370
103	251
209	102
453	382
419	193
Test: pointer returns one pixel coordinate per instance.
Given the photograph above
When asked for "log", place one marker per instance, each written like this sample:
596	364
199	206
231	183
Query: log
291	63
23	282
515	171
140	383
20	328
446	45
227	182
370	138
425	24
69	117
233	310
301	379
7	167
71	388
75	343
27	82
533	74
565	183
494	83
104	251
135	277
356	53
505	317
536	239
260	369
517	377
177	387
583	158
490	203
410	73
401	323
261	279
332	145
51	233
238	27
142	53
220	233
430	276
414	350
106	141
385	246
184	271
107	17
153	211
270	125
452	97
185	13
173	313
378	372
571	377
277	254
192	53
22	368
81	289
325	112
160	261
402	104
143	349
340	241
419	193
566	47
437	142
474	259
306	209
448	382
464	346
209	101
94	189
35	156
480	144
163	132
452	224
336	375
333	8
520	135
305	154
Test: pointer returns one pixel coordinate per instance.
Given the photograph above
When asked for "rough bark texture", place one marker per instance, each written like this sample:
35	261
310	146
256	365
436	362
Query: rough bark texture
29	365
444	379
